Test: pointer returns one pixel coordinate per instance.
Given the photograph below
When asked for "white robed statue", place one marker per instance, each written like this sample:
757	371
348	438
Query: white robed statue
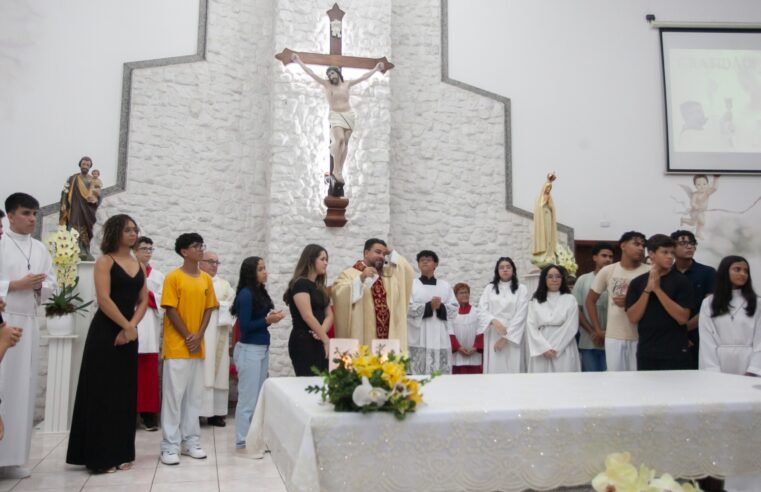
545	227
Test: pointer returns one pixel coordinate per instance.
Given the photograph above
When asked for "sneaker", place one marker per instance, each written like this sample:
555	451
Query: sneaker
170	458
195	452
150	423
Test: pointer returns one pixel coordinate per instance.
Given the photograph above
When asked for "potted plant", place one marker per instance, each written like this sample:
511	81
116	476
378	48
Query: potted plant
63	245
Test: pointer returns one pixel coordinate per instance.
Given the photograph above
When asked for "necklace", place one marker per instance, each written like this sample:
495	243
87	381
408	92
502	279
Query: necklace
733	312
27	257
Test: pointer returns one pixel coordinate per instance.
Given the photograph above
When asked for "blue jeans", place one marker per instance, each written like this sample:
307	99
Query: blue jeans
593	360
252	362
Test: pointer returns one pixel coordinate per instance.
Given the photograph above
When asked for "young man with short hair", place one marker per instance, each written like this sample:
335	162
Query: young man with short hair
592	344
620	334
703	280
659	303
188	299
27	279
432	307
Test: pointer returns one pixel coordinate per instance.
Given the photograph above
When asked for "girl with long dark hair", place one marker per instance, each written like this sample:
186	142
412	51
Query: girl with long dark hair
105	410
553	321
730	322
308	300
255	312
502	318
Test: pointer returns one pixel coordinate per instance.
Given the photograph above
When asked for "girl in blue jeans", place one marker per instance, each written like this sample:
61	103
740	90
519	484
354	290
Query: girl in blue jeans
256	312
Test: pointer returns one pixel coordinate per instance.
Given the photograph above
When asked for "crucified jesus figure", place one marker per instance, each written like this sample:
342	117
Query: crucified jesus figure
341	116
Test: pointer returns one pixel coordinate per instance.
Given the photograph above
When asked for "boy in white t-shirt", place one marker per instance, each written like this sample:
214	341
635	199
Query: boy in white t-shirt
620	334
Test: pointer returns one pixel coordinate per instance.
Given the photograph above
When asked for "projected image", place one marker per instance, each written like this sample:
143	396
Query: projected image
712	81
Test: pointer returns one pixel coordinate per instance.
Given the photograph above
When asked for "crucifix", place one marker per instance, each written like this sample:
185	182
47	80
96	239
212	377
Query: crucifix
341	116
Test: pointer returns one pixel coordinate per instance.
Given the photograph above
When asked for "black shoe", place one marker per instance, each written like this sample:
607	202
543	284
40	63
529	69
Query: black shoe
150	423
216	421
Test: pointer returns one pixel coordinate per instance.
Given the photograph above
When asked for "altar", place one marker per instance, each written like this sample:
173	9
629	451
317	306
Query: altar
511	432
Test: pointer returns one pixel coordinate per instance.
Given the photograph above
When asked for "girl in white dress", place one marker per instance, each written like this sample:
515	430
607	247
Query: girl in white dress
502	313
553	321
730	322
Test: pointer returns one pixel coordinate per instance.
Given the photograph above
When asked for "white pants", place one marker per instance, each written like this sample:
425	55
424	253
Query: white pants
181	404
621	355
214	402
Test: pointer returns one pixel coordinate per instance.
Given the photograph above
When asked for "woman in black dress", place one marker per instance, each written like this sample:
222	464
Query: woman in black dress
309	303
103	425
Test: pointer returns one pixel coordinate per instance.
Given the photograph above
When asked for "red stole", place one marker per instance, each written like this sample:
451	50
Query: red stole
382	313
151	297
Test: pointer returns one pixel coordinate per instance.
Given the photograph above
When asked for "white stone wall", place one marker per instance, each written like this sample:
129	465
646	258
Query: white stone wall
235	148
448	161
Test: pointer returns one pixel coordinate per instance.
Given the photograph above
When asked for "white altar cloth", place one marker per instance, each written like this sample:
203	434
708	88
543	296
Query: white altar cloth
510	432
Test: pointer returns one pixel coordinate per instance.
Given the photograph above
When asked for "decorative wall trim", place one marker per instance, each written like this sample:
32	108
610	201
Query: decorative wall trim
568	230
124	117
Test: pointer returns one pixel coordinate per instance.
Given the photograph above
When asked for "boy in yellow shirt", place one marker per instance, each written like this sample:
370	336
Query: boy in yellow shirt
188	299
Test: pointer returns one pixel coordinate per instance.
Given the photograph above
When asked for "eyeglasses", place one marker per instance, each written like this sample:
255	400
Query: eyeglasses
200	246
687	243
212	262
147	249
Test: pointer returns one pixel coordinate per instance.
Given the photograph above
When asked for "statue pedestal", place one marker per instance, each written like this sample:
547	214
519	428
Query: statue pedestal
336	216
58	383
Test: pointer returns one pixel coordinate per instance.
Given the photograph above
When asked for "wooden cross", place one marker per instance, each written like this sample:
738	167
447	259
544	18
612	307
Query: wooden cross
336	204
336	57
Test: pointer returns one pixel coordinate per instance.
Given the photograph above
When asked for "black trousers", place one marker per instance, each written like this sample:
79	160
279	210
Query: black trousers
679	362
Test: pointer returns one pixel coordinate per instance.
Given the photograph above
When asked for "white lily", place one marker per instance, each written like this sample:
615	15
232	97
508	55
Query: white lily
365	394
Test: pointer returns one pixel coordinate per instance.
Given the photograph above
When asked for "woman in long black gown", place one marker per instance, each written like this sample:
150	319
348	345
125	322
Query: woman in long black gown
309	303
103	426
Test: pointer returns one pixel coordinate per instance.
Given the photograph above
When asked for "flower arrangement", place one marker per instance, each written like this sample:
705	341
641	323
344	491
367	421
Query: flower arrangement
366	382
565	259
63	245
621	476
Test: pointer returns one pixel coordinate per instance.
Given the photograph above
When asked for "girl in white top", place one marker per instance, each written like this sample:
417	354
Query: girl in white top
730	322
502	313
553	321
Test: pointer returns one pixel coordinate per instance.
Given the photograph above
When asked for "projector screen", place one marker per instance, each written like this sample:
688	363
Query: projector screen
712	83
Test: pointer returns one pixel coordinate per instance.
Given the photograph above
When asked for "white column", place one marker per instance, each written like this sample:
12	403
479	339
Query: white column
86	290
58	383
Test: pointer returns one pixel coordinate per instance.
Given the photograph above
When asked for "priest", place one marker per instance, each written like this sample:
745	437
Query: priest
372	297
216	365
27	279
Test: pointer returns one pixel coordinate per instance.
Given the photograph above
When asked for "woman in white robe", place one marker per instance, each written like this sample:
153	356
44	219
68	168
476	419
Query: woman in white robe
730	322
502	312
553	321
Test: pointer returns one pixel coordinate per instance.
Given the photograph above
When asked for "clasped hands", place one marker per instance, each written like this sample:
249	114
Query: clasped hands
125	336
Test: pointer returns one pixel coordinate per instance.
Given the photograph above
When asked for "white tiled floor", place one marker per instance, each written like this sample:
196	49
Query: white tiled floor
222	471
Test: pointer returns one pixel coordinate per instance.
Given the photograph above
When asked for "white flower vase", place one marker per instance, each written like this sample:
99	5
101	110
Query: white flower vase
61	325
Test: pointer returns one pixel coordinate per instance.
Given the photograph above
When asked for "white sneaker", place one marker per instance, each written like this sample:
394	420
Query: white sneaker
194	452
170	458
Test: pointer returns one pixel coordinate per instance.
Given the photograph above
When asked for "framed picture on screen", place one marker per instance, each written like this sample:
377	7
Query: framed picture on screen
712	85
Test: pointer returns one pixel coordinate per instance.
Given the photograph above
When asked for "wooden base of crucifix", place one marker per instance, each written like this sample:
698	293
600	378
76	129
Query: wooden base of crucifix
336	216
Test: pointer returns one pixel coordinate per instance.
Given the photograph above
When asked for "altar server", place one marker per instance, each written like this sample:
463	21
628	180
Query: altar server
27	279
502	317
553	321
467	344
148	337
433	306
730	322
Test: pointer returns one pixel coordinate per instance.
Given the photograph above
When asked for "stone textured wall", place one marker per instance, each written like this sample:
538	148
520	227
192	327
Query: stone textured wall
235	148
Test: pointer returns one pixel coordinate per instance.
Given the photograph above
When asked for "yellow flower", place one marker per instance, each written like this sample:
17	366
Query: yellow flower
619	474
392	373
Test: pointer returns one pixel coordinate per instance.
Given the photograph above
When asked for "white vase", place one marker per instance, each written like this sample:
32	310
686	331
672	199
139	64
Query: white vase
61	325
